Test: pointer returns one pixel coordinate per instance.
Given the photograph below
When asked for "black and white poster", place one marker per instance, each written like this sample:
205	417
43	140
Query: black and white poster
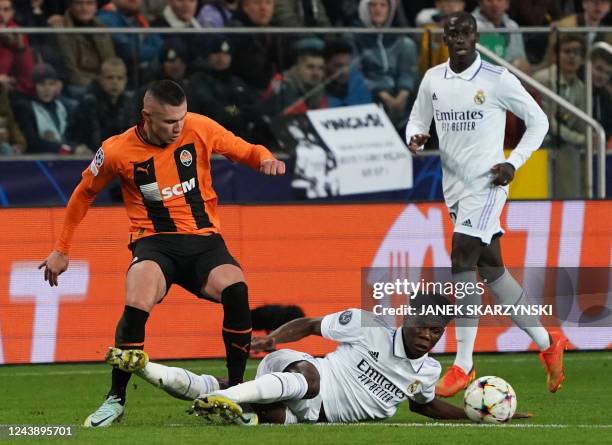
345	151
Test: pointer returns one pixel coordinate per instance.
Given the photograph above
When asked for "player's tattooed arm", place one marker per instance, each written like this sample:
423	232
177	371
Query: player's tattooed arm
289	332
502	173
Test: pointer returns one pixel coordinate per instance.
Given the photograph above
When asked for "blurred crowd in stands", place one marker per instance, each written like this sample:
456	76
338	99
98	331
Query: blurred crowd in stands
65	93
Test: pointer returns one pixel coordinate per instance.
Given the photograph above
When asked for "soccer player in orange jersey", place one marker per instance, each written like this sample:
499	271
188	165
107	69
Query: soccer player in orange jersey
164	167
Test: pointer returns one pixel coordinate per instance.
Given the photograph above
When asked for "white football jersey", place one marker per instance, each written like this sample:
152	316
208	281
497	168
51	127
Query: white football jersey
469	109
368	374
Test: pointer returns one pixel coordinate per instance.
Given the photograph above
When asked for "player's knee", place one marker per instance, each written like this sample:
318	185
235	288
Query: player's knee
314	386
145	285
311	374
221	278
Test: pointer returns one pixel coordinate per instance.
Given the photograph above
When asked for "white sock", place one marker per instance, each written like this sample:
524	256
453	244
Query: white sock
269	388
508	291
178	382
466	328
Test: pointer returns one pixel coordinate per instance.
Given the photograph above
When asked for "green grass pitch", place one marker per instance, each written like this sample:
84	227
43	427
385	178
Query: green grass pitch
65	394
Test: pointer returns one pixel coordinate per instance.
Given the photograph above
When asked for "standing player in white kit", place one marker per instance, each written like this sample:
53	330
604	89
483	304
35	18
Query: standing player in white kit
468	98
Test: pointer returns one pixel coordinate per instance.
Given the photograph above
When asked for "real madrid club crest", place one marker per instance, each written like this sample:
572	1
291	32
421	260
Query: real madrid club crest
479	99
186	158
412	388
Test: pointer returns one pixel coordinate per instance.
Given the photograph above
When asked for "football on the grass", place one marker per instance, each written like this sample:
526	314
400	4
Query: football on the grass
489	399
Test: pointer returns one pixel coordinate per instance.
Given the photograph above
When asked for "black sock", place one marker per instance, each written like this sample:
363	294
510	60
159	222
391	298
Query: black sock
130	334
236	330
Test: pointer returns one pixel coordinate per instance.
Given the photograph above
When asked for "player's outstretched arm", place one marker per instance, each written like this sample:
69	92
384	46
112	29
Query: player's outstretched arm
57	261
441	410
95	177
438	409
289	332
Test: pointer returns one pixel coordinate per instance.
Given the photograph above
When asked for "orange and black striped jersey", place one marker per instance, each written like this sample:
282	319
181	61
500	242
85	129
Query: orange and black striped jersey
165	189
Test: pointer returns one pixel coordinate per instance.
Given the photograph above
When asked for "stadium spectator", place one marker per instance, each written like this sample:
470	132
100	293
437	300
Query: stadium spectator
152	8
566	130
594	13
388	61
39	14
605	36
345	84
491	15
257	57
16	57
180	14
44	118
428	15
83	54
217	93
298	89
174	59
42	14
433	50
11	137
602	88
591	16
299	13
52	10
171	65
530	13
568	7
106	109
341	12
136	50
217	13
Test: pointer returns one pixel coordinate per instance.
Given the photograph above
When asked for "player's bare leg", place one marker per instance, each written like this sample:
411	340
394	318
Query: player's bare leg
145	286
464	256
226	283
300	380
508	291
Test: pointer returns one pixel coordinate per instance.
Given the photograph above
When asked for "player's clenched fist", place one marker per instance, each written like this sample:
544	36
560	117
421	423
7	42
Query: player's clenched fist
272	167
55	264
417	141
502	173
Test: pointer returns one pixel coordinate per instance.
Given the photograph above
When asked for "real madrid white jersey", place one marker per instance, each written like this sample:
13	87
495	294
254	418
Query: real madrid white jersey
368	374
469	109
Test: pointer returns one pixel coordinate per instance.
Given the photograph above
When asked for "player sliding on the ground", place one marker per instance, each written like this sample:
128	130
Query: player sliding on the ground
374	368
468	98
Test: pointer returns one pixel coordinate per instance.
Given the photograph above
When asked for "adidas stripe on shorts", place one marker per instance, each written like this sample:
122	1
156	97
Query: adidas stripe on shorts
478	214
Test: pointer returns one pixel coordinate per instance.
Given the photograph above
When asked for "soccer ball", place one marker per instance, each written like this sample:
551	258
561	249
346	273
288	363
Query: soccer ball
489	399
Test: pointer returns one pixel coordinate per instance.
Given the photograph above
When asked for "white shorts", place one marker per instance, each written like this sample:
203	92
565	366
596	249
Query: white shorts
478	214
306	410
